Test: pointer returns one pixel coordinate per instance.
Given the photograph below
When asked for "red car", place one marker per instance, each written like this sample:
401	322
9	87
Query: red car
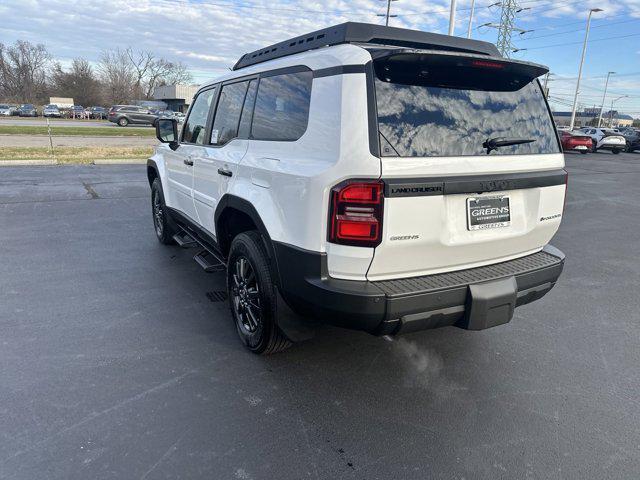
577	143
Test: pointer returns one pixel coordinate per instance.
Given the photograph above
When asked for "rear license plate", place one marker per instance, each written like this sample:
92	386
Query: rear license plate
488	212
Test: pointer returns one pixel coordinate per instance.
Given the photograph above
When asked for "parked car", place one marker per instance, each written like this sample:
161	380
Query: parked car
575	142
76	111
51	111
98	113
632	137
605	139
27	110
124	115
179	116
5	109
341	177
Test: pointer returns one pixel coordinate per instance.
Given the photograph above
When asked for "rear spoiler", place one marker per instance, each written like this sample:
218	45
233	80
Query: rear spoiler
453	69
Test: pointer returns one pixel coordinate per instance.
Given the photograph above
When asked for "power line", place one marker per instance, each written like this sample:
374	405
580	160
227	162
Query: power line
580	29
578	43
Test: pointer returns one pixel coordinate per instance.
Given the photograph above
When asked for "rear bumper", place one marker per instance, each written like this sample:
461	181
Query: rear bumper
570	148
474	299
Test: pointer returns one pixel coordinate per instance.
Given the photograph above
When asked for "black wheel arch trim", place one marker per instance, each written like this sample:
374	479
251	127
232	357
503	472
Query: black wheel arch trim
151	165
230	201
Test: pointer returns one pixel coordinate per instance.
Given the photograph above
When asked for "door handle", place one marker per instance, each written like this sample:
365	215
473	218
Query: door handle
188	161
226	173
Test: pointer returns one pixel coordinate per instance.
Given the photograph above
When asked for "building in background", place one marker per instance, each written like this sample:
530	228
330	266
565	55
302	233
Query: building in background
61	102
590	117
177	97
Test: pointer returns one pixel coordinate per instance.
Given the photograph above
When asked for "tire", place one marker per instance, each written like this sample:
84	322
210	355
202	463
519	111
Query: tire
630	149
584	152
252	296
162	223
123	122
594	149
615	151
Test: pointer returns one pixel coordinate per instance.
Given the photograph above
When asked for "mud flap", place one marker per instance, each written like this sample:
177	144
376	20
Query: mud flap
295	327
490	304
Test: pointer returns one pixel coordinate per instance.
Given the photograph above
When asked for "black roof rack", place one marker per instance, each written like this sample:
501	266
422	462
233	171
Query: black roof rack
366	33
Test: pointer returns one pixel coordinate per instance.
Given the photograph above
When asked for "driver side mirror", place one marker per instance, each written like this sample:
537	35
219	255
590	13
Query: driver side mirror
167	132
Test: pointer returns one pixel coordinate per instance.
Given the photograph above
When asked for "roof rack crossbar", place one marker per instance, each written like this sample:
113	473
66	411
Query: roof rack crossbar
365	33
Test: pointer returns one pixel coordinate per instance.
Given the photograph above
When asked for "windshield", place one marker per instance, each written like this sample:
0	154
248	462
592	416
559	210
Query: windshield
422	120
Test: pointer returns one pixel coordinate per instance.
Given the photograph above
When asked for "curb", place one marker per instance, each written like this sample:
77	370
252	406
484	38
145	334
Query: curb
18	163
120	161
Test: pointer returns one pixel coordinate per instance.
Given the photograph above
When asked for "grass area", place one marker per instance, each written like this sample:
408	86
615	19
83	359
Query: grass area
74	154
78	131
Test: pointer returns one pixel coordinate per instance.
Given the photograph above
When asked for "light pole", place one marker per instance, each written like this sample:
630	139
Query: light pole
606	83
584	52
452	17
387	15
611	111
473	3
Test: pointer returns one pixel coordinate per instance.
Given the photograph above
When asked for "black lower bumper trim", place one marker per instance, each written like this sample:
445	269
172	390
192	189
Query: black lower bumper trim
475	298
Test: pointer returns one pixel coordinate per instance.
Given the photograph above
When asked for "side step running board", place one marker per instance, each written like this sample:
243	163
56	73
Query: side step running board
184	240
208	262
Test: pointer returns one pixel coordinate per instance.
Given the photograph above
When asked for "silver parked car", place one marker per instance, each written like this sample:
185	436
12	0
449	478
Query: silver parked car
51	111
6	110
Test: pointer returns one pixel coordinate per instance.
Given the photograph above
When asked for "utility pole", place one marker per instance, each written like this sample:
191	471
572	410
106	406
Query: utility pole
606	84
473	4
452	17
584	52
505	30
506	27
546	82
388	14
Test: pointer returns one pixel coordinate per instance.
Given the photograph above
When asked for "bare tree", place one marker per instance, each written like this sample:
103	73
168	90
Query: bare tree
118	76
23	69
79	82
151	71
134	74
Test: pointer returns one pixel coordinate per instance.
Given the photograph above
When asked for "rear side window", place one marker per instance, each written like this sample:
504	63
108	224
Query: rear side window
196	124
454	113
225	125
282	107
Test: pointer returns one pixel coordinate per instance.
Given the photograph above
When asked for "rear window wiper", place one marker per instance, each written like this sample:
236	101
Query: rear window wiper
497	142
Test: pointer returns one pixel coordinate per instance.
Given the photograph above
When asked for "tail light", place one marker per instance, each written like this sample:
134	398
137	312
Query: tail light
355	213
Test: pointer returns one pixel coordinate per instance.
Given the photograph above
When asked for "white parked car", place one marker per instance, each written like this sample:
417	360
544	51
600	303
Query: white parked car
341	178
6	110
606	139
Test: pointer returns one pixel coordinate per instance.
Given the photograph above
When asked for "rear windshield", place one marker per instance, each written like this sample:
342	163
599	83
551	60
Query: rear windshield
420	119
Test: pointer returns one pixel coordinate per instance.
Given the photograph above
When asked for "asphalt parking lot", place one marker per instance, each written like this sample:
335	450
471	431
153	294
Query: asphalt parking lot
115	363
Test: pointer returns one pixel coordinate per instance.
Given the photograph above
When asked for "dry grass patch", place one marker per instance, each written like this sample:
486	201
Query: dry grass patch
74	154
78	131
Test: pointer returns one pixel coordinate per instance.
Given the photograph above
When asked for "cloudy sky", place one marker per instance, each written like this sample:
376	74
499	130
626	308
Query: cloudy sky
210	35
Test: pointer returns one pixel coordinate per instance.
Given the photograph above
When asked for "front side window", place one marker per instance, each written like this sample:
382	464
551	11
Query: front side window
196	124
225	124
282	107
436	113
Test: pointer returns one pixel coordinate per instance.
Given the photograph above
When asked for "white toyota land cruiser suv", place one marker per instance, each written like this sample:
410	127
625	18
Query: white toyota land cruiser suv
374	178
